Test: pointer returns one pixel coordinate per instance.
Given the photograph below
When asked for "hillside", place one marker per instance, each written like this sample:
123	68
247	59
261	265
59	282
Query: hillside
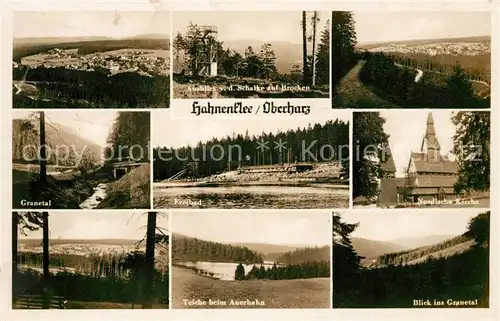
305	254
267	249
187	248
131	191
56	135
450	247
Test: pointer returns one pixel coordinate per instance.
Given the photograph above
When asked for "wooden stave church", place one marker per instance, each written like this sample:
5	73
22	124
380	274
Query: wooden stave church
431	176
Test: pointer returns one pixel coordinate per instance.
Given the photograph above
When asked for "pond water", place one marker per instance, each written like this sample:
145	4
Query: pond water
251	196
221	270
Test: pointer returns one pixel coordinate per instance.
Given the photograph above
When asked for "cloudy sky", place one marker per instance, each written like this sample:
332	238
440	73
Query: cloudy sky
183	131
91	23
269	26
125	225
383	225
263	226
93	125
393	25
407	128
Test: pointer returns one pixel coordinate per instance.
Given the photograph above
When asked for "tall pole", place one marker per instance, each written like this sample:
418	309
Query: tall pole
15	230
315	18
150	261
43	151
304	50
46	299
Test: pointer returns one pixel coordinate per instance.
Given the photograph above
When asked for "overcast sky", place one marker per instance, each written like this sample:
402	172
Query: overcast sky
264	226
98	225
383	225
407	128
180	132
90	23
268	26
380	26
93	125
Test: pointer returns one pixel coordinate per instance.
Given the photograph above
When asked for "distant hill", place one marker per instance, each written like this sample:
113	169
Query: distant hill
35	242
287	54
418	241
418	42
35	41
56	135
371	249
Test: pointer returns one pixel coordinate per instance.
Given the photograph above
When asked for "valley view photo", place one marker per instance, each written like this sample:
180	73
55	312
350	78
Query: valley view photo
80	159
433	59
411	259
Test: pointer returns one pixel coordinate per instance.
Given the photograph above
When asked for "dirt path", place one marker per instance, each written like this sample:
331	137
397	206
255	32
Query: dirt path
352	93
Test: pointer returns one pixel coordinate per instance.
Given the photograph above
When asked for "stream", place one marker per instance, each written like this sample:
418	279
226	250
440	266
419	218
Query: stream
94	200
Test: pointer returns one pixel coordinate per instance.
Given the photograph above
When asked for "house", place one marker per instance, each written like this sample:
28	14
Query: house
123	166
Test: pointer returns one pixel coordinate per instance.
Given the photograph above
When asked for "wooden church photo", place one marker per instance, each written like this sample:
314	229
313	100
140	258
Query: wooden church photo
418	166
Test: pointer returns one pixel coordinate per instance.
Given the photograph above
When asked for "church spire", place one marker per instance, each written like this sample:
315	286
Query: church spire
430	141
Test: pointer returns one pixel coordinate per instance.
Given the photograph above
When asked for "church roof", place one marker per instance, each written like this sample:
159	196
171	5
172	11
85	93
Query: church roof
430	135
442	165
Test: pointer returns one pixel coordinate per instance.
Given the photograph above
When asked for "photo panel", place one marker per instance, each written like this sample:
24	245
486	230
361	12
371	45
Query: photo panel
421	59
421	158
83	159
409	258
219	260
214	57
258	163
91	59
90	260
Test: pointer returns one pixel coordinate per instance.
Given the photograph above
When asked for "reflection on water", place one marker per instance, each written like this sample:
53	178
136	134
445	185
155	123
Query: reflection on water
219	270
251	196
174	191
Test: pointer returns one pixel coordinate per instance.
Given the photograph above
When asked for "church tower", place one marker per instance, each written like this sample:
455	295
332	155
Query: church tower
430	143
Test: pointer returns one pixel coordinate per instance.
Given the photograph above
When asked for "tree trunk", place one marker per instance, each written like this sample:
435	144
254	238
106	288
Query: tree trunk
46	299
14	255
305	73
150	261
315	18
43	153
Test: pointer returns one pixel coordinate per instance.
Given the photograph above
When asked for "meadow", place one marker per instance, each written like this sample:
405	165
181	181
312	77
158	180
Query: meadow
298	293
